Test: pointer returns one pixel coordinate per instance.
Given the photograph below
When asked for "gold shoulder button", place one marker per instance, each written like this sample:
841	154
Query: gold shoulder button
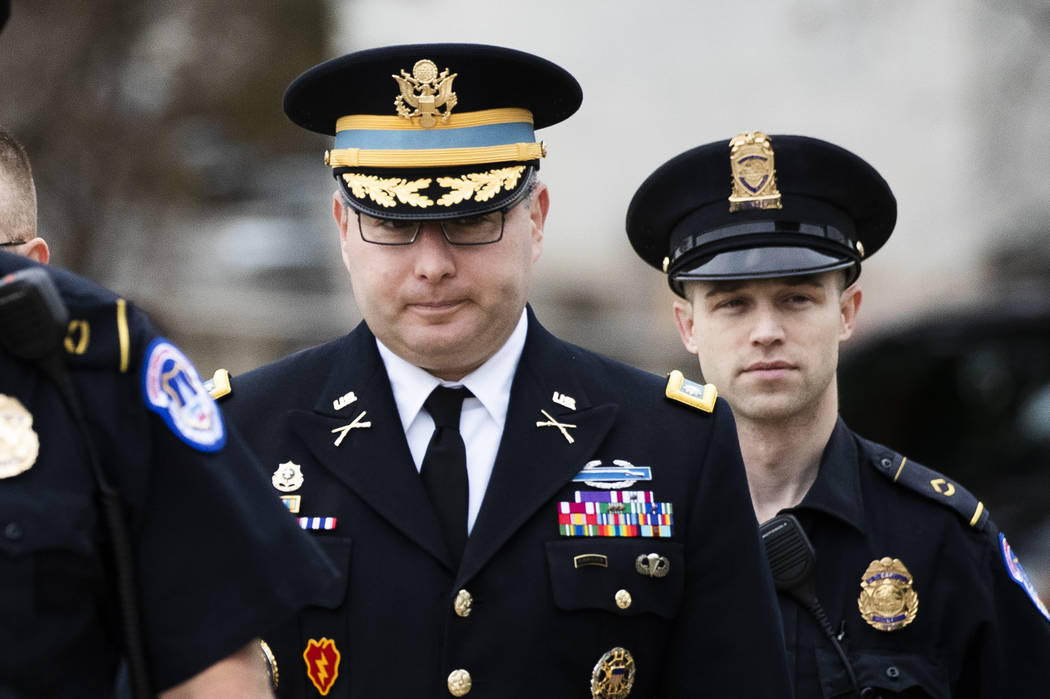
219	384
699	396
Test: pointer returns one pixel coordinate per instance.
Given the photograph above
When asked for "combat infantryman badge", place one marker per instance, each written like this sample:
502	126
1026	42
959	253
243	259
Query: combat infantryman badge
322	663
622	474
754	177
19	444
613	676
427	91
288	477
887	601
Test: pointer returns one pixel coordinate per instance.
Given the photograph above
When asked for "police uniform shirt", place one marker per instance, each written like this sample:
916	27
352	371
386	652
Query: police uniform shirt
215	558
969	630
483	416
535	607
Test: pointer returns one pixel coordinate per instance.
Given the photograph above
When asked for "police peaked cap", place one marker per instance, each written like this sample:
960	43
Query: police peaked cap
433	131
760	207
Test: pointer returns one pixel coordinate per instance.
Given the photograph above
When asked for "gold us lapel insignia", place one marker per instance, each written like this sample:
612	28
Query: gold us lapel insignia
887	600
19	444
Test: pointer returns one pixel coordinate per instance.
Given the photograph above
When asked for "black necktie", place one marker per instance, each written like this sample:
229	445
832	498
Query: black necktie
444	469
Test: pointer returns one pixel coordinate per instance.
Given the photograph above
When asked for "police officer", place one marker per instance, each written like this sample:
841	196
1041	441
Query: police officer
208	555
916	592
18	230
512	516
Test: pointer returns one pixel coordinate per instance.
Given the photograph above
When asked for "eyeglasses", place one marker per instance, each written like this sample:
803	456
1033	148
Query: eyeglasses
483	229
11	243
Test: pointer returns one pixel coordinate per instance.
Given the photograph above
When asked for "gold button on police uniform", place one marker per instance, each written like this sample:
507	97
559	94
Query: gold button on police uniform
623	599
464	603
458	683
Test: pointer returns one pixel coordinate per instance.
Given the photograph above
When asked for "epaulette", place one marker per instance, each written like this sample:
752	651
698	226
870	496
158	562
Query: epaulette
99	333
219	384
696	395
930	484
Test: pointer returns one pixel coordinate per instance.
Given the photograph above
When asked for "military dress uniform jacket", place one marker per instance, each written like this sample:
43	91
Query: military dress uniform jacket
966	627
209	549
529	612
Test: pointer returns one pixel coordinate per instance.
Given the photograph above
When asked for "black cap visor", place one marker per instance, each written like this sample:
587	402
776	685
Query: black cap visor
763	263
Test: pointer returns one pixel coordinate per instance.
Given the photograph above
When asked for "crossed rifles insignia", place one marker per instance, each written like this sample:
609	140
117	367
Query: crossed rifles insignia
564	427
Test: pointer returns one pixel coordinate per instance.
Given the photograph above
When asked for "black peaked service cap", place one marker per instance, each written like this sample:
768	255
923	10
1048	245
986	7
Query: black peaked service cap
433	131
760	206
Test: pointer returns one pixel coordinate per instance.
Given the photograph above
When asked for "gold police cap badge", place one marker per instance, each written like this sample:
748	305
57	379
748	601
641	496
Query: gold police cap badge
887	601
19	444
754	177
613	676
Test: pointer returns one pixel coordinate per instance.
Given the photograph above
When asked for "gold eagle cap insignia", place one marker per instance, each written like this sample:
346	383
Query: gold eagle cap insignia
424	92
754	174
887	600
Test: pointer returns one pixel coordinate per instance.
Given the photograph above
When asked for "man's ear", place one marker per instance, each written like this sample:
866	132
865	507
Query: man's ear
683	318
849	307
541	203
341	214
37	249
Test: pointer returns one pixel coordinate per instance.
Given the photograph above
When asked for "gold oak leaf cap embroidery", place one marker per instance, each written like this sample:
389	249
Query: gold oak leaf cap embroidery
760	206
433	131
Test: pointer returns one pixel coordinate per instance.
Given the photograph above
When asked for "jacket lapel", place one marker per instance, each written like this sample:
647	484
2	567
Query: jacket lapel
371	458
534	462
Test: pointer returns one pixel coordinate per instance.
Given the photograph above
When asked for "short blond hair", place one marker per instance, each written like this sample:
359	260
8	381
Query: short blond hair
17	191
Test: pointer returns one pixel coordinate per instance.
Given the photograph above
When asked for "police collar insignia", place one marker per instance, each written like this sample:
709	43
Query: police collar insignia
287	477
19	444
322	663
173	389
754	177
1019	576
613	675
887	600
426	91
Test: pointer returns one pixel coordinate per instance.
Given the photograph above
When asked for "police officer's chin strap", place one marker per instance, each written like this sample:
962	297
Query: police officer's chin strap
791	558
33	322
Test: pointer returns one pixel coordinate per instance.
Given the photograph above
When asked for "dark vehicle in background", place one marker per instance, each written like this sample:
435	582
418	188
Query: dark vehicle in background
968	394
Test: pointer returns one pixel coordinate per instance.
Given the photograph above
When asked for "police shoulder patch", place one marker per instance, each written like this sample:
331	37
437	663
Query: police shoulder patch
1019	576
218	386
174	390
930	484
696	395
